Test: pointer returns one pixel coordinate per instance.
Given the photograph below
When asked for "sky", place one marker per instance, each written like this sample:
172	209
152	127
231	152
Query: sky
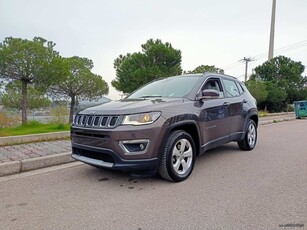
208	32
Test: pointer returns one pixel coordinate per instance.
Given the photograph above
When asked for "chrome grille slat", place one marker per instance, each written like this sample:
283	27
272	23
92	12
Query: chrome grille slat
104	121
112	121
98	121
83	120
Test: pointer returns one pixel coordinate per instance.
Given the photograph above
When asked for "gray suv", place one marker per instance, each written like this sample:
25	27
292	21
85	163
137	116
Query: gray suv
163	126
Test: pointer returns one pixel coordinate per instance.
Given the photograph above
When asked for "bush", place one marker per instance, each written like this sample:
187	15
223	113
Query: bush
32	124
7	121
60	126
290	108
59	115
262	113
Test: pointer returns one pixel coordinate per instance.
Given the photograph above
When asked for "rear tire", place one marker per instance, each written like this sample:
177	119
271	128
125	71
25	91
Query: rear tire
250	138
178	157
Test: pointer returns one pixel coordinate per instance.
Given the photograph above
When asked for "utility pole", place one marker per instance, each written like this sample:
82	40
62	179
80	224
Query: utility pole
246	60
272	32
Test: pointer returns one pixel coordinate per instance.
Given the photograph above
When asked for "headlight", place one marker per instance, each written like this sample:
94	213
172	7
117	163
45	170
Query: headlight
141	118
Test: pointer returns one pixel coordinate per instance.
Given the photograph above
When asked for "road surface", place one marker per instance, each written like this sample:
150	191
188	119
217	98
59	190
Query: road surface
229	189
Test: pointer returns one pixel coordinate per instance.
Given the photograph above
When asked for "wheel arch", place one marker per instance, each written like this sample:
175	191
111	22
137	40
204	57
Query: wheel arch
253	115
255	118
188	126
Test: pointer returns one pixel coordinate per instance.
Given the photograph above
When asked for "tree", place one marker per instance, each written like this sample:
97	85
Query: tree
258	90
206	68
30	62
1	98
276	99
78	83
284	74
35	98
1	93
157	60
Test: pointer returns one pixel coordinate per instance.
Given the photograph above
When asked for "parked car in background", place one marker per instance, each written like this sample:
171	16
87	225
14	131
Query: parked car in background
163	126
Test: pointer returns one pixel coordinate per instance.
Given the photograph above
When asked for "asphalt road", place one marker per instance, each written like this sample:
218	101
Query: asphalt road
229	189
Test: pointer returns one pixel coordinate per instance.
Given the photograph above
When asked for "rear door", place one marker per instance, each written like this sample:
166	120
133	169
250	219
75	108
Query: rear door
236	113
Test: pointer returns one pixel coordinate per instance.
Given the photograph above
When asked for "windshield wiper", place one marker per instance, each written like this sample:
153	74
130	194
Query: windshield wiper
146	96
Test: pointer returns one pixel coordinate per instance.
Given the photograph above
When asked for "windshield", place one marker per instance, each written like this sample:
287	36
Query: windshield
168	87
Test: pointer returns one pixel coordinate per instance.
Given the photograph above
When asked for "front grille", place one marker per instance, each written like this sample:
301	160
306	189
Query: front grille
97	121
93	155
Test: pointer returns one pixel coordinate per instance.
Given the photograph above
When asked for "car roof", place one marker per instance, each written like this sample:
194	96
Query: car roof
210	74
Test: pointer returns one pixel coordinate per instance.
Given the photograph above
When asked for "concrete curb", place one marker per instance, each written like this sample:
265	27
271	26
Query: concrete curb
14	167
9	168
276	120
279	114
13	140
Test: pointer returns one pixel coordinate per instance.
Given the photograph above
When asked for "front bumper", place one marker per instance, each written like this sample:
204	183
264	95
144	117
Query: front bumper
119	147
107	158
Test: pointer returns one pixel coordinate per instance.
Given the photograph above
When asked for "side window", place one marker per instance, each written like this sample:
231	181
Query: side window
241	90
214	84
231	88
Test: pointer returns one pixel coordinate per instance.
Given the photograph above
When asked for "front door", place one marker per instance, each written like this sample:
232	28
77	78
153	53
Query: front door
214	116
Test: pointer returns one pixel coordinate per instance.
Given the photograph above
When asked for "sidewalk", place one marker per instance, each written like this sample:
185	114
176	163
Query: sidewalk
33	150
25	157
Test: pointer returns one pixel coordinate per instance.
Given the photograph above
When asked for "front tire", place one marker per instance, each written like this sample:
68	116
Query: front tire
250	138
178	157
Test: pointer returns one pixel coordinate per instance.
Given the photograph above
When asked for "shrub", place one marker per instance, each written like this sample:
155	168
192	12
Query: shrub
7	121
262	113
290	108
60	126
59	115
32	124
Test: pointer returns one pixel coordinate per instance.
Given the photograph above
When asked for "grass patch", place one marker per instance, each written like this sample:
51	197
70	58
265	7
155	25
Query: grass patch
34	127
262	113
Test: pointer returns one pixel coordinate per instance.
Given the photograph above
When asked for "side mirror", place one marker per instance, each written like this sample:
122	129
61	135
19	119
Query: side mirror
209	94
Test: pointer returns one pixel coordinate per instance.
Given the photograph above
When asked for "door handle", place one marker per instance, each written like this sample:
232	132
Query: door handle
244	101
226	104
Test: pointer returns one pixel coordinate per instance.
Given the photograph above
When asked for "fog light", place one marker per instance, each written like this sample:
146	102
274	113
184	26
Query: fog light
134	146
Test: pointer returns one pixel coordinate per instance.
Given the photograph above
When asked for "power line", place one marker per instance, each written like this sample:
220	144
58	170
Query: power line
260	56
283	49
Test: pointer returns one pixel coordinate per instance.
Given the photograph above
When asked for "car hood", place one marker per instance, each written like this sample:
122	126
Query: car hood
130	106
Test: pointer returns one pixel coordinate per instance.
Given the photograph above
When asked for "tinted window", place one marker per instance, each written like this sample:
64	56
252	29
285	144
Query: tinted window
214	84
231	88
240	88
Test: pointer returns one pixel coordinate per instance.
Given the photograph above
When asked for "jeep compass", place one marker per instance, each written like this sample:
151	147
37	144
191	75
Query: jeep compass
163	126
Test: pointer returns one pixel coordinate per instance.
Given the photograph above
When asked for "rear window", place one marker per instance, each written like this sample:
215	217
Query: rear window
231	88
241	90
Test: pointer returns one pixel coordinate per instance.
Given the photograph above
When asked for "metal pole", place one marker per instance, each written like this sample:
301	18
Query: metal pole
246	60
246	66
271	46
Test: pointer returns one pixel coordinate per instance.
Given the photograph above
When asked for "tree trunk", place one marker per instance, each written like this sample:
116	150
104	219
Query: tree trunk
24	102
71	110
